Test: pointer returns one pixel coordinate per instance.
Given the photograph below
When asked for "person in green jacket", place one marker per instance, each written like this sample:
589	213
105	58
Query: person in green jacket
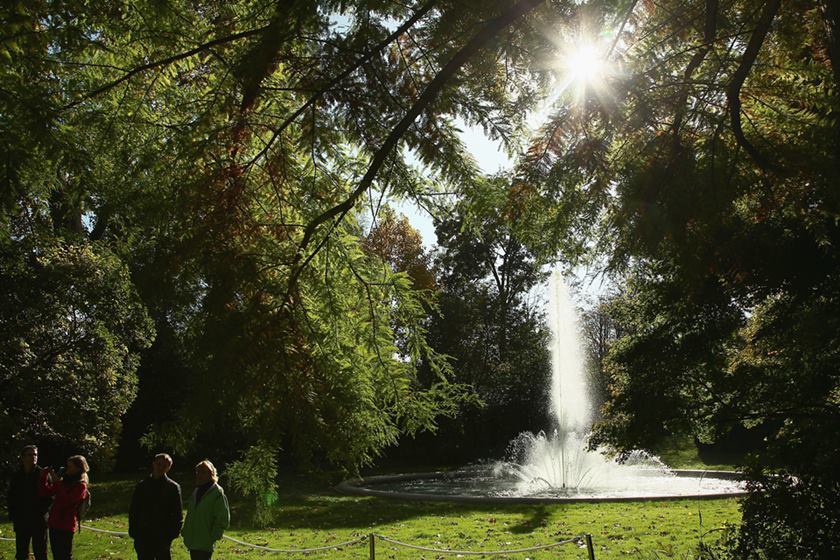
208	514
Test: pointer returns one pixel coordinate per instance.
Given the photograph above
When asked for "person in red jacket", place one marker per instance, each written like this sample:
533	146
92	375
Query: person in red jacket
70	490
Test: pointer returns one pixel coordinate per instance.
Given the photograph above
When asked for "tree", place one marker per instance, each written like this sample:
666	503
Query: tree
219	150
709	176
399	245
496	336
72	328
601	329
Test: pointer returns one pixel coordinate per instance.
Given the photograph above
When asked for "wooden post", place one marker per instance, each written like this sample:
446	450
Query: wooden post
589	547
372	541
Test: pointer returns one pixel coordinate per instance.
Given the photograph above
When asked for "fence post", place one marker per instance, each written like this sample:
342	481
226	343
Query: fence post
589	547
372	540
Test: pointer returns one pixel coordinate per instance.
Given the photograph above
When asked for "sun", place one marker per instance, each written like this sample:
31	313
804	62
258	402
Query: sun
583	69
585	65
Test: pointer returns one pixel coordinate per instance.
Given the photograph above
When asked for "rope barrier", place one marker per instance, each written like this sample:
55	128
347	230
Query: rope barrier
243	543
297	551
479	553
106	531
371	537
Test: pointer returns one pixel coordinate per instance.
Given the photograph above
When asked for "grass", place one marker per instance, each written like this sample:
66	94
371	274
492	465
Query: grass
681	453
310	513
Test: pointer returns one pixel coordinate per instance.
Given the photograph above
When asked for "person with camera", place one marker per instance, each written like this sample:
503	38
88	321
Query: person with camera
155	516
208	514
70	488
27	508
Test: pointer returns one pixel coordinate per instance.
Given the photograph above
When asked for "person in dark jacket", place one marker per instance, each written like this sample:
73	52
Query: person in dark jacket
70	489
27	509
155	516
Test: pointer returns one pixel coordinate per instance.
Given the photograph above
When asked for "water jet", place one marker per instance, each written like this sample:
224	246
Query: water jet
558	466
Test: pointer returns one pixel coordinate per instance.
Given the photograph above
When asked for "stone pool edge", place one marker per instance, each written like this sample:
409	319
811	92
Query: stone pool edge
354	487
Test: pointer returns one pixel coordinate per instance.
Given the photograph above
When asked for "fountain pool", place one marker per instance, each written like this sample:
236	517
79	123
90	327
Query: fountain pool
559	466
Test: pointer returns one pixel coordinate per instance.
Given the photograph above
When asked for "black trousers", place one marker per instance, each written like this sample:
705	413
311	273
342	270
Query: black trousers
36	533
201	554
61	544
153	549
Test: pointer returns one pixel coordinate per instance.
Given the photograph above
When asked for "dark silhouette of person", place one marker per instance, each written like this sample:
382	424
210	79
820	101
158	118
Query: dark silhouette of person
27	508
155	515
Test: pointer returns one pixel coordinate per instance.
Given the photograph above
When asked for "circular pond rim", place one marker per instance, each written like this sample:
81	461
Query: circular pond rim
360	487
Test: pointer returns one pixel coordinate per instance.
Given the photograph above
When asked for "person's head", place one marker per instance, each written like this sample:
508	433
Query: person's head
29	457
77	465
161	465
205	472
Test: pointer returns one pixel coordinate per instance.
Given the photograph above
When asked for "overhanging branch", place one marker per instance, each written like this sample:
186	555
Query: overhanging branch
339	211
338	79
733	91
163	62
831	17
709	31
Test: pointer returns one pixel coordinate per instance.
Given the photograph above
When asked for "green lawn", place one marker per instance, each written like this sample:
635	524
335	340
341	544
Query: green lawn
681	453
311	513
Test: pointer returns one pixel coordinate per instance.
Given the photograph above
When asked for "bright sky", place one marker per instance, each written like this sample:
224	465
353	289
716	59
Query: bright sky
584	71
490	158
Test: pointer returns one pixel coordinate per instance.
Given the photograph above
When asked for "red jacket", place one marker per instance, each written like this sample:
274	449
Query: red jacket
68	496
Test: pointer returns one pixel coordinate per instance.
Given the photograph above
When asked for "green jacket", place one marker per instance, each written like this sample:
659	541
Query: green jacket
206	520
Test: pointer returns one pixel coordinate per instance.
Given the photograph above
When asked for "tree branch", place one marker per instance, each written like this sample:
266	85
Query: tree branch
490	30
624	21
338	79
261	60
500	285
709	31
831	16
733	90
163	62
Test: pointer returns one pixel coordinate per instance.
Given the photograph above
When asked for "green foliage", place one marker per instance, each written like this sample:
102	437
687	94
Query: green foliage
665	355
786	517
496	337
200	143
601	327
709	181
72	328
212	149
254	475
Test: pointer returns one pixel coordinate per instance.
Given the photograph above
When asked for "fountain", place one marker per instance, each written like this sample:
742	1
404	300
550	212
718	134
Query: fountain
560	462
558	466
